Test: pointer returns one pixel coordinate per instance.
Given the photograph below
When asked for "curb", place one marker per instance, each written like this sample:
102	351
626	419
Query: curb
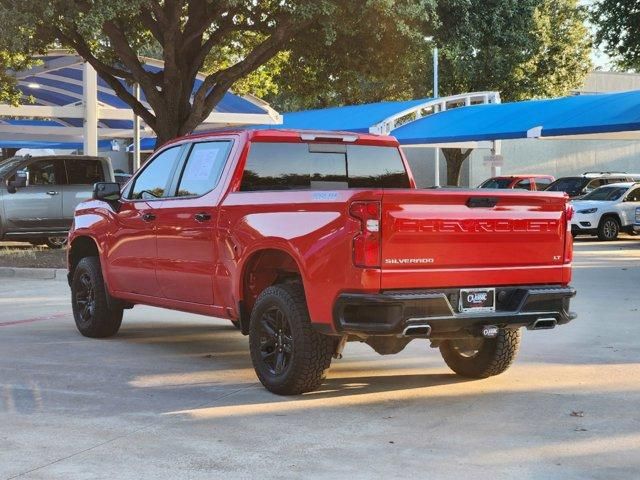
57	274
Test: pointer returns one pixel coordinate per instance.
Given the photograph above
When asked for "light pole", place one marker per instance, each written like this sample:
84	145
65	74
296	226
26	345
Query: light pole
436	150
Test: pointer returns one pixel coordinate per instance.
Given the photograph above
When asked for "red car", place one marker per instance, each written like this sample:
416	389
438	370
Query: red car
524	182
308	240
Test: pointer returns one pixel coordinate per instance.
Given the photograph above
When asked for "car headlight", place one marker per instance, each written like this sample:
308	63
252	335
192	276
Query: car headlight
588	210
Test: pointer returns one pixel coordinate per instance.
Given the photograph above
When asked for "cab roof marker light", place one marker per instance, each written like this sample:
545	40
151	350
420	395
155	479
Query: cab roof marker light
310	137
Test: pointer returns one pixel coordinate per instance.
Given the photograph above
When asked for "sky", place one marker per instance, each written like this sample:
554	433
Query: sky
601	60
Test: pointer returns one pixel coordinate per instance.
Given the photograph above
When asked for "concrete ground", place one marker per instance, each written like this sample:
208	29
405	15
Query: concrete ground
174	396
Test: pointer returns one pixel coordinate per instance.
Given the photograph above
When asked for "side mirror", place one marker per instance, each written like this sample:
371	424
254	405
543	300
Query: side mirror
18	181
107	191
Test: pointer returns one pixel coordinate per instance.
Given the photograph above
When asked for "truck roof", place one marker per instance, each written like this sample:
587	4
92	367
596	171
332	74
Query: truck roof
291	135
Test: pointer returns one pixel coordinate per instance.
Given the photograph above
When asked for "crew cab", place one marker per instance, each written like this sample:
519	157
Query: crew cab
522	181
308	240
607	211
38	195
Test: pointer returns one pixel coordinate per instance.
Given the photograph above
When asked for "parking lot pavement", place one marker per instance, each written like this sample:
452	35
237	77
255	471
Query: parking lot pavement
174	396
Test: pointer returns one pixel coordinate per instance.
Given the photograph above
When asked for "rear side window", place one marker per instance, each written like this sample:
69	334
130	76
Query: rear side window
83	172
153	180
302	166
203	168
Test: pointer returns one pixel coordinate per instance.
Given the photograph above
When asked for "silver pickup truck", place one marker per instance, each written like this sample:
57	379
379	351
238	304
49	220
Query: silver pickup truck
38	195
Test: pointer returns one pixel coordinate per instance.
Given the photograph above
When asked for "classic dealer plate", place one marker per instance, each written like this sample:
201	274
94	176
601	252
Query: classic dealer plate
477	300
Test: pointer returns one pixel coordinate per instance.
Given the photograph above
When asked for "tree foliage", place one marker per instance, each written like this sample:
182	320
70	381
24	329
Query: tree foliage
618	30
523	48
113	34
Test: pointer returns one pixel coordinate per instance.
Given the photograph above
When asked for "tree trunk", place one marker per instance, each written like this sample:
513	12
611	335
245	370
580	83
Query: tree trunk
455	157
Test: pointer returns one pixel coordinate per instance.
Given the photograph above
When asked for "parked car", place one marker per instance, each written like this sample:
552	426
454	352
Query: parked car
38	195
580	185
636	225
607	211
524	182
307	240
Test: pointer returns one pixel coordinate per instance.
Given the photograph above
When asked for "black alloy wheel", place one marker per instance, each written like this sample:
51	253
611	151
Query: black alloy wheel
85	298
276	341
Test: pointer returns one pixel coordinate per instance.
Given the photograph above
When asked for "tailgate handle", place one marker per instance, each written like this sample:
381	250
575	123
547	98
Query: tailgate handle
482	202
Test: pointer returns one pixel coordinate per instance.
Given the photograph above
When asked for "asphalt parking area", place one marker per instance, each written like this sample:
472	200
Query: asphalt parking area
174	396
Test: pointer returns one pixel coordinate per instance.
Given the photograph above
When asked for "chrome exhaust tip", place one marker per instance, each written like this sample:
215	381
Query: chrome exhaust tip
417	331
543	324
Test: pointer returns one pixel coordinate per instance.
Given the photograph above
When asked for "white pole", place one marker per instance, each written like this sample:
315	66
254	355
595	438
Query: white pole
436	166
136	132
90	102
435	72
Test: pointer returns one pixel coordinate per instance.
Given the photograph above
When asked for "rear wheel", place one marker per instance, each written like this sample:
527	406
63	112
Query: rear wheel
91	311
482	357
289	357
608	229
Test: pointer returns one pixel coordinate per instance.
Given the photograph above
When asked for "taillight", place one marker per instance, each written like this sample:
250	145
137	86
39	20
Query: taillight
366	244
569	212
568	242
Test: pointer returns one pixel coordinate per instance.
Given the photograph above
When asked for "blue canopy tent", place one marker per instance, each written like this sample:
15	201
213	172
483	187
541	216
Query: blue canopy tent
610	115
70	105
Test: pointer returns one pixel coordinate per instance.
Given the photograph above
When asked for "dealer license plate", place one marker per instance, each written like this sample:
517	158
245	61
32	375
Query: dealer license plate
477	300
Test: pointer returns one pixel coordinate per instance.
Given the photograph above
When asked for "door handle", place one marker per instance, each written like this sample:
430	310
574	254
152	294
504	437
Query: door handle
202	217
52	192
148	217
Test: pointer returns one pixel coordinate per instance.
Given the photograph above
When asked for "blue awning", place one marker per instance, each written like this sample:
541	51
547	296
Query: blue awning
576	115
352	118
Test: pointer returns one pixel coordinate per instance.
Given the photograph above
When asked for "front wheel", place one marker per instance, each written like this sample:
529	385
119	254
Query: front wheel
289	357
91	311
608	229
482	357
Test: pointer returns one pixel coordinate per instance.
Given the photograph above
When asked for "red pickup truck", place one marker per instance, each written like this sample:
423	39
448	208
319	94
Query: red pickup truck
307	240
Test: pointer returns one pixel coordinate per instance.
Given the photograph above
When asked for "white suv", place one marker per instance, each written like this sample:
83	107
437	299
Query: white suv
607	211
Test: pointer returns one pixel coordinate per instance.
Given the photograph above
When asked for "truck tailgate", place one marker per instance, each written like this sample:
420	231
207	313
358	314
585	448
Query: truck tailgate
440	238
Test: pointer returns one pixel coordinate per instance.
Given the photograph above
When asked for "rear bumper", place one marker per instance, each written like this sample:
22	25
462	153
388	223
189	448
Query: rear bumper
391	312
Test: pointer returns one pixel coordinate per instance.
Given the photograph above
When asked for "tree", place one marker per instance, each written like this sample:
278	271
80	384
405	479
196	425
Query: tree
524	49
618	29
112	34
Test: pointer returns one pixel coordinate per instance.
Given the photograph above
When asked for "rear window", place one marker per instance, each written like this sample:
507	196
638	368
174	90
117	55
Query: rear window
568	185
496	183
302	166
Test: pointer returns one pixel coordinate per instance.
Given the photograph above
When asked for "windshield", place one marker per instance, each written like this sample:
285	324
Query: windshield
571	185
496	183
9	164
606	194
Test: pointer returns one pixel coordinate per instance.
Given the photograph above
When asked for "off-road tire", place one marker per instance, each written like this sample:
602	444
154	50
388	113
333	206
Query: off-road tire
310	352
608	229
99	320
493	357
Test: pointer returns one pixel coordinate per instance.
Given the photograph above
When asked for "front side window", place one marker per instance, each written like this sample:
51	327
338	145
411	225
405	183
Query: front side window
154	179
45	172
84	172
203	168
302	166
634	195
